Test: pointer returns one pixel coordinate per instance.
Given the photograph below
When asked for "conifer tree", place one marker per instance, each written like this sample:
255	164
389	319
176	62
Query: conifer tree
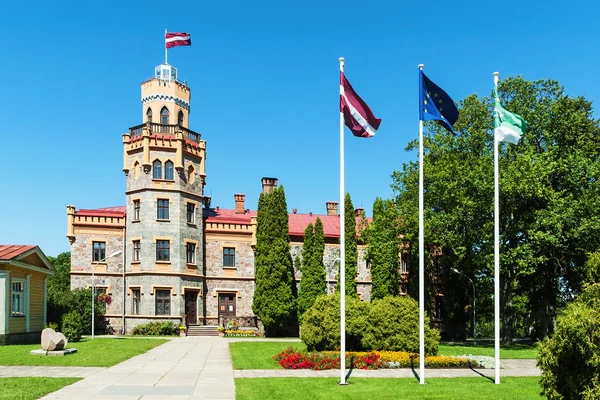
351	246
312	284
383	245
273	300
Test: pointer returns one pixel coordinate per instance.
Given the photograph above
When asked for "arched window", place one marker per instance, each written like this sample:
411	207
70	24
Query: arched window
136	169
164	115
190	174
149	114
157	169
169	171
180	118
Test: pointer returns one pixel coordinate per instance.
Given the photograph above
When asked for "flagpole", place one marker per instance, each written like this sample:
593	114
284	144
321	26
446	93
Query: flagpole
342	274
166	58
496	251
421	257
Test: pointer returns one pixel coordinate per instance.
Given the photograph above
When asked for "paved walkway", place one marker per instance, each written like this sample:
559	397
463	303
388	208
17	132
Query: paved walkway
190	368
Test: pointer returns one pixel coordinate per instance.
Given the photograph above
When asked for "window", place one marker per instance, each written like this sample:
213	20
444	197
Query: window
191	211
98	251
403	266
163	302
136	210
164	115
162	209
149	114
137	247
162	250
18	298
136	299
438	312
180	118
156	169
190	176
368	264
190	253
229	257
169	171
100	290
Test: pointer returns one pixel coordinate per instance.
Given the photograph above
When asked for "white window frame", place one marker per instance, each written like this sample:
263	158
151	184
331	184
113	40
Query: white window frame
22	312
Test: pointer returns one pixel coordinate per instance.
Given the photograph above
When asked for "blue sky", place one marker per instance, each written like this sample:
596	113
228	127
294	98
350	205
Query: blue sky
265	90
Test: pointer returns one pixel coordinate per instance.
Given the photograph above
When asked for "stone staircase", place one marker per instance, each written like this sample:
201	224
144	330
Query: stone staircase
201	330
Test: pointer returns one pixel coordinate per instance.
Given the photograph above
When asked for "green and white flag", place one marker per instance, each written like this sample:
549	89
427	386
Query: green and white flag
508	127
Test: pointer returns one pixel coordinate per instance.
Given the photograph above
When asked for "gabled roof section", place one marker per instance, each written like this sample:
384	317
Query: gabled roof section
25	255
118	211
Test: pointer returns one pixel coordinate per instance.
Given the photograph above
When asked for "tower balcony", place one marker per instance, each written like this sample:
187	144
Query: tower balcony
164	130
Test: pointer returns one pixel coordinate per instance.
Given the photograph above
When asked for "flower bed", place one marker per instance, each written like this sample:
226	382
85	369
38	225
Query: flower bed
239	333
292	359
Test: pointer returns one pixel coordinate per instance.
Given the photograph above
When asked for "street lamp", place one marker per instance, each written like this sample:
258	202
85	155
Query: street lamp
116	253
458	272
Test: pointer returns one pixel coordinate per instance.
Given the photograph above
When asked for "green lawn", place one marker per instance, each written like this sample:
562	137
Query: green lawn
506	351
382	389
259	355
90	353
31	388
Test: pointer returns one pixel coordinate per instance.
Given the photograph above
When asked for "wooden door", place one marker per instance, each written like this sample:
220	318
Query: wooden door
226	304
191	309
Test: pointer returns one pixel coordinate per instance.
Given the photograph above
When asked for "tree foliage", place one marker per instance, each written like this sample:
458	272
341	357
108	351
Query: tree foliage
549	204
312	284
383	246
351	253
273	302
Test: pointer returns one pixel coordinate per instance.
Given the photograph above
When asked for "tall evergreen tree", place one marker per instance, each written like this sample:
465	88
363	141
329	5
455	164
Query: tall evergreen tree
351	245
383	246
273	300
312	284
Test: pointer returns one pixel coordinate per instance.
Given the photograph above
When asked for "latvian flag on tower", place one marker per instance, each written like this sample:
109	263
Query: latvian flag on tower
173	39
357	115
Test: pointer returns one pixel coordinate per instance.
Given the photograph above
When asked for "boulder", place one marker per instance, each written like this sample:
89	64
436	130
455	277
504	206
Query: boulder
52	340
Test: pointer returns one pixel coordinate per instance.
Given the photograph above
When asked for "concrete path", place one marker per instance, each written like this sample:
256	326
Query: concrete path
511	368
190	368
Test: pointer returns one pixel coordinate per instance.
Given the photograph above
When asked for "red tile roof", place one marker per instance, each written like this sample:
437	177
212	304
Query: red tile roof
118	211
10	251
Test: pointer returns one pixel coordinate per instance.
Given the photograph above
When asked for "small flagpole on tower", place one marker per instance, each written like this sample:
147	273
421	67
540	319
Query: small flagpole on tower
421	256
166	49
496	248
342	275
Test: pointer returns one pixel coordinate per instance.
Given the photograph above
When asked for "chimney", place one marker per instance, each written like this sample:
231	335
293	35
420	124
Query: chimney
332	207
294	211
269	184
359	211
239	203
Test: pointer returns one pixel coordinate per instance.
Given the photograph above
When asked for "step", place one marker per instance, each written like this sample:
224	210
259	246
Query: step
202	330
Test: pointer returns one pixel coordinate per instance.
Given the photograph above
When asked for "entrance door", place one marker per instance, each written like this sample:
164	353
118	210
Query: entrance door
226	304
191	301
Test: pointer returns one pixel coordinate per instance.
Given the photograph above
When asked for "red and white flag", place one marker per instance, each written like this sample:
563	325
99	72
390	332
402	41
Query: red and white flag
173	39
357	115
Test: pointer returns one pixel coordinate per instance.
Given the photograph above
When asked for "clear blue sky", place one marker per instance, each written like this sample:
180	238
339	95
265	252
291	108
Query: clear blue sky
265	90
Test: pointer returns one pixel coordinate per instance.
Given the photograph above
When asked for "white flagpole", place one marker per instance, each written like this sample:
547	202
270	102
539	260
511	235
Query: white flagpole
166	58
342	275
421	258
496	251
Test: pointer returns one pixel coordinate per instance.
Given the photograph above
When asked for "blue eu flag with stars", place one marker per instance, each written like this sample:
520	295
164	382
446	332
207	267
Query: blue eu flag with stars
435	104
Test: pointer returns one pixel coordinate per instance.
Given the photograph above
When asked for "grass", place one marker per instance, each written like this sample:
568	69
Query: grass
521	351
524	388
90	353
31	388
259	355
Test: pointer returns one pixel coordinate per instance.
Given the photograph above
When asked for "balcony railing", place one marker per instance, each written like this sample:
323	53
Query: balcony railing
164	129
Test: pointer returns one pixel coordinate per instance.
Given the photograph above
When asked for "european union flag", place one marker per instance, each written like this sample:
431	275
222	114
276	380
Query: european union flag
435	104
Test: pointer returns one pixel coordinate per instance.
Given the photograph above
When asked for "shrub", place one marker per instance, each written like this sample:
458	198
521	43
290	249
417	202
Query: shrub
321	323
156	329
72	326
393	324
570	359
52	325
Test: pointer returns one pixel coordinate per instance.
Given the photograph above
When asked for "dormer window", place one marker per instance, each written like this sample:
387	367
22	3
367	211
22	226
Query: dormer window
157	169
169	171
164	115
149	114
180	118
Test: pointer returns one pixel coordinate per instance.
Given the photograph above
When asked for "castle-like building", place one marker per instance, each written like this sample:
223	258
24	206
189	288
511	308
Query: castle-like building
167	254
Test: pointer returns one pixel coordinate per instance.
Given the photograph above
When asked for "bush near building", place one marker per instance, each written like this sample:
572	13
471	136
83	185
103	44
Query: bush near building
156	329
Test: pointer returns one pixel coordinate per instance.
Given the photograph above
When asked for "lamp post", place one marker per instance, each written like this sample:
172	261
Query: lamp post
116	253
472	283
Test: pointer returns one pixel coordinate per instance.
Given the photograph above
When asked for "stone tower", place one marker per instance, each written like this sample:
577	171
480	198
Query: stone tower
164	165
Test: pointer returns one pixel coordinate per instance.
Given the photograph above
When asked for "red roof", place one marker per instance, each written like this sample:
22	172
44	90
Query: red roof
297	222
10	251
